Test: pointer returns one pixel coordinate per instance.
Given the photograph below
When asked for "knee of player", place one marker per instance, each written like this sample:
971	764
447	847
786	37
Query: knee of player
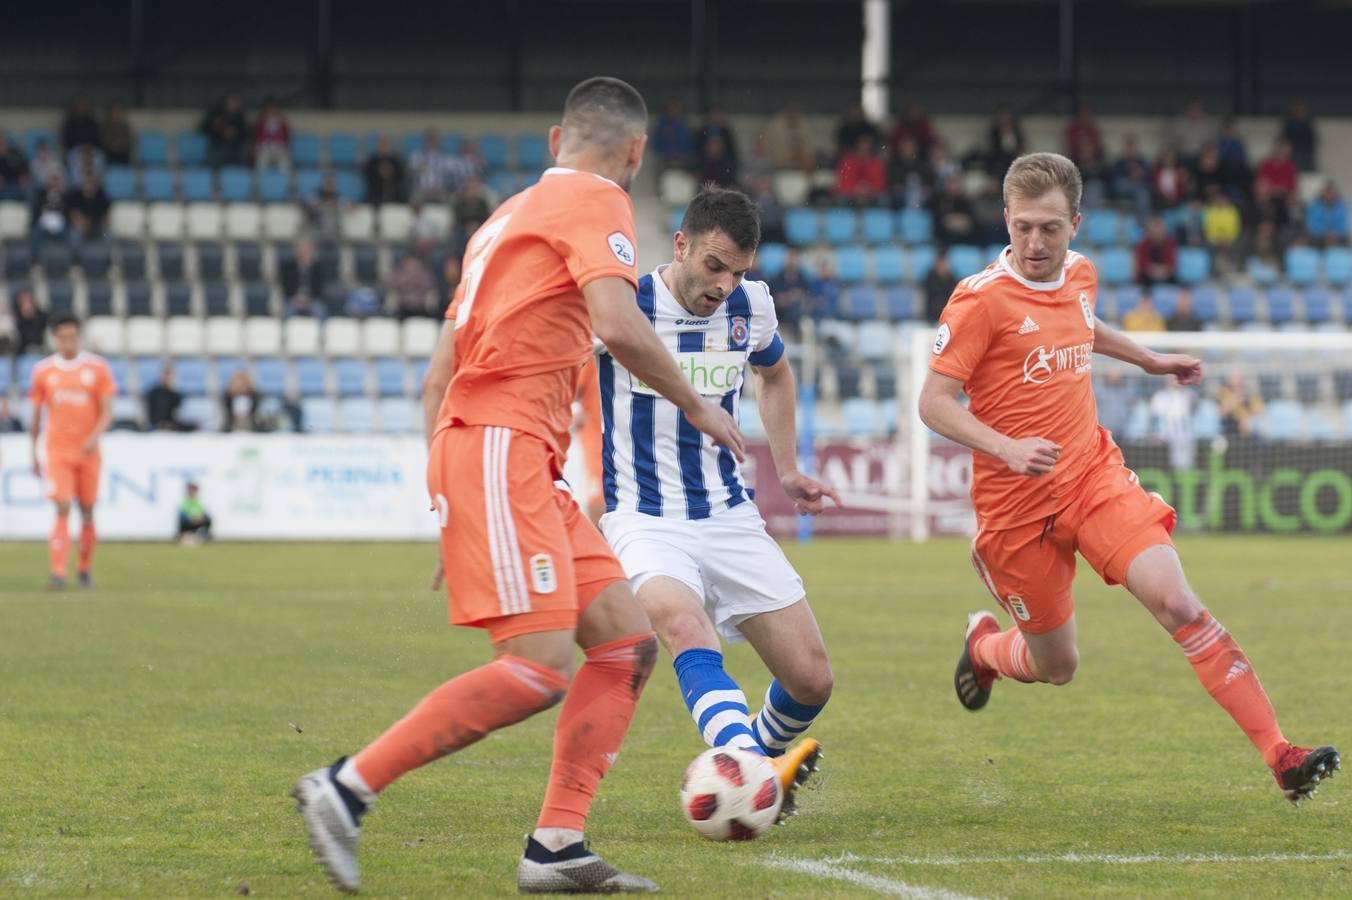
1180	607
813	688
1061	671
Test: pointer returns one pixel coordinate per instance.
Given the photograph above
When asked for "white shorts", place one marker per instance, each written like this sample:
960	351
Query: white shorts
728	559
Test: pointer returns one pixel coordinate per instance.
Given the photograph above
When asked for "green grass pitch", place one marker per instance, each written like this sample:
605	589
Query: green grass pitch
150	731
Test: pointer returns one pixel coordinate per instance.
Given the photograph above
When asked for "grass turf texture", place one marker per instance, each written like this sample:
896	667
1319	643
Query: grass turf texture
147	740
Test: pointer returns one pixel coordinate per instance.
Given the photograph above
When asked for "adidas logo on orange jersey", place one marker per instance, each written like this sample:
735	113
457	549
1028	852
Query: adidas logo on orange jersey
1028	326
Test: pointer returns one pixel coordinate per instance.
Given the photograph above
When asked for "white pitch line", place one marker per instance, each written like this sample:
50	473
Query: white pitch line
1109	859
888	886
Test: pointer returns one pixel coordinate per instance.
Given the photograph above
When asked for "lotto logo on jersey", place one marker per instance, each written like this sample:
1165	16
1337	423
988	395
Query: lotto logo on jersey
1041	363
622	247
740	331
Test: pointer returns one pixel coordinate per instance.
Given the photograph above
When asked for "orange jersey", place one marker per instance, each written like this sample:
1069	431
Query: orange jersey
73	392
1022	350
522	328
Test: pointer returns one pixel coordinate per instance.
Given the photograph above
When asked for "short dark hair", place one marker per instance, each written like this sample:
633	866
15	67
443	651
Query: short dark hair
63	319
603	109
723	209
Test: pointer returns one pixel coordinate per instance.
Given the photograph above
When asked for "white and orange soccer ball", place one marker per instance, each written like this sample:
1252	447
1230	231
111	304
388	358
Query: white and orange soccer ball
731	795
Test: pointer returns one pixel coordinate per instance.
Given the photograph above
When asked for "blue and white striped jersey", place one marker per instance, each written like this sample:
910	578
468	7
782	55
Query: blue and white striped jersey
653	460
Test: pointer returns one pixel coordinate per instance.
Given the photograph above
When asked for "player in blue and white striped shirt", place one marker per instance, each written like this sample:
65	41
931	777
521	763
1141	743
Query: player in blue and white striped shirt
681	517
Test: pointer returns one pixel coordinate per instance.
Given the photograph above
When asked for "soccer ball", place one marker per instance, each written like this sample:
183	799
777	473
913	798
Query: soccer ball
731	795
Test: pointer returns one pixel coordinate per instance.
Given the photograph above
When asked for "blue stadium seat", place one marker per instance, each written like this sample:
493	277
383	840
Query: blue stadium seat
1206	304
270	376
1318	306
859	302
190	148
504	184
419	372
358	415
1281	421
197	186
273	186
1138	422
532	152
1164	297
343	150
121	369
204	412
1319	427
147	371
304	149
25	370
99	298
216	297
921	258
493	151
876	225
875	340
139	298
18	259
1261	272
390	374
1338	265
851	265
801	226
397	415
350	185
6	370
158	183
916	226
770	259
310	376
60	298
1194	265
1302	265
170	256
1102	227
119	183
1206	420
308	182
1132	231
236	184
450	143
190	375
178	298
55	260
901	303
317	414
33	136
210	261
839	226
861	417
1281	303
152	148
350	375
966	260
1243	305
889	264
257	298
1116	265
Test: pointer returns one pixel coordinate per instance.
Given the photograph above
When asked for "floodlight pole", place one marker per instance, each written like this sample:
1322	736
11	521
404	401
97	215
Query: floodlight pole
876	58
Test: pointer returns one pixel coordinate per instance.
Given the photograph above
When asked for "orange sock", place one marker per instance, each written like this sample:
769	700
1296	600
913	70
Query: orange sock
592	725
1231	681
457	714
1006	653
88	539
58	546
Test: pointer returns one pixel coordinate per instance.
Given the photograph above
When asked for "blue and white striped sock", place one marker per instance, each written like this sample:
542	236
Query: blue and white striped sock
716	703
782	719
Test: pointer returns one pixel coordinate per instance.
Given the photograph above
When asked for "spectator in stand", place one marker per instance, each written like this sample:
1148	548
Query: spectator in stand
1004	141
1097	178
771	211
87	206
471	206
1190	222
272	138
1170	185
988	212
49	219
13	171
80	127
413	288
787	140
323	210
939	286
717	164
1190	131
1208	172
954	221
1234	159
448	282
1298	129
909	175
239	404
791	290
823	301
44	166
854	125
194	525
1171	408
8	338
1183	318
716	125
1221	227
861	178
914	124
1267	246
431	171
1144	316
757	166
1326	217
1279	172
162	402
1133	181
1266	206
116	136
1084	140
941	163
227	133
671	141
1156	255
384	174
84	160
303	281
30	324
1113	398
1240	407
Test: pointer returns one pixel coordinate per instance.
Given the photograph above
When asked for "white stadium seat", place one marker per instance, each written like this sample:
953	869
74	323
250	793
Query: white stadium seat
205	221
281	221
380	337
184	336
677	187
145	336
342	337
13	219
792	187
358	222
224	336
263	336
398	415
243	221
396	222
127	220
106	334
435	220
420	336
164	221
302	336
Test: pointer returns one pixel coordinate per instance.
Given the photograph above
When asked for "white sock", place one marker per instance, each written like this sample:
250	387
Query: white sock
351	779
555	839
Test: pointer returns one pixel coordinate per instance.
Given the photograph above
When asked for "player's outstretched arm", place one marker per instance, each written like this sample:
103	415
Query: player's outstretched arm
105	422
777	393
1111	342
940	410
440	369
630	338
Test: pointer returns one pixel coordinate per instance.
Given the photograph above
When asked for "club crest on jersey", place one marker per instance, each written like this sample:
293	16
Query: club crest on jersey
740	331
87	377
622	247
1088	313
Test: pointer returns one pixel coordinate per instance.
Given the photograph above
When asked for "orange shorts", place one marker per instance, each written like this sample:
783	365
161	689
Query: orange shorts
1029	569
74	478
520	557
